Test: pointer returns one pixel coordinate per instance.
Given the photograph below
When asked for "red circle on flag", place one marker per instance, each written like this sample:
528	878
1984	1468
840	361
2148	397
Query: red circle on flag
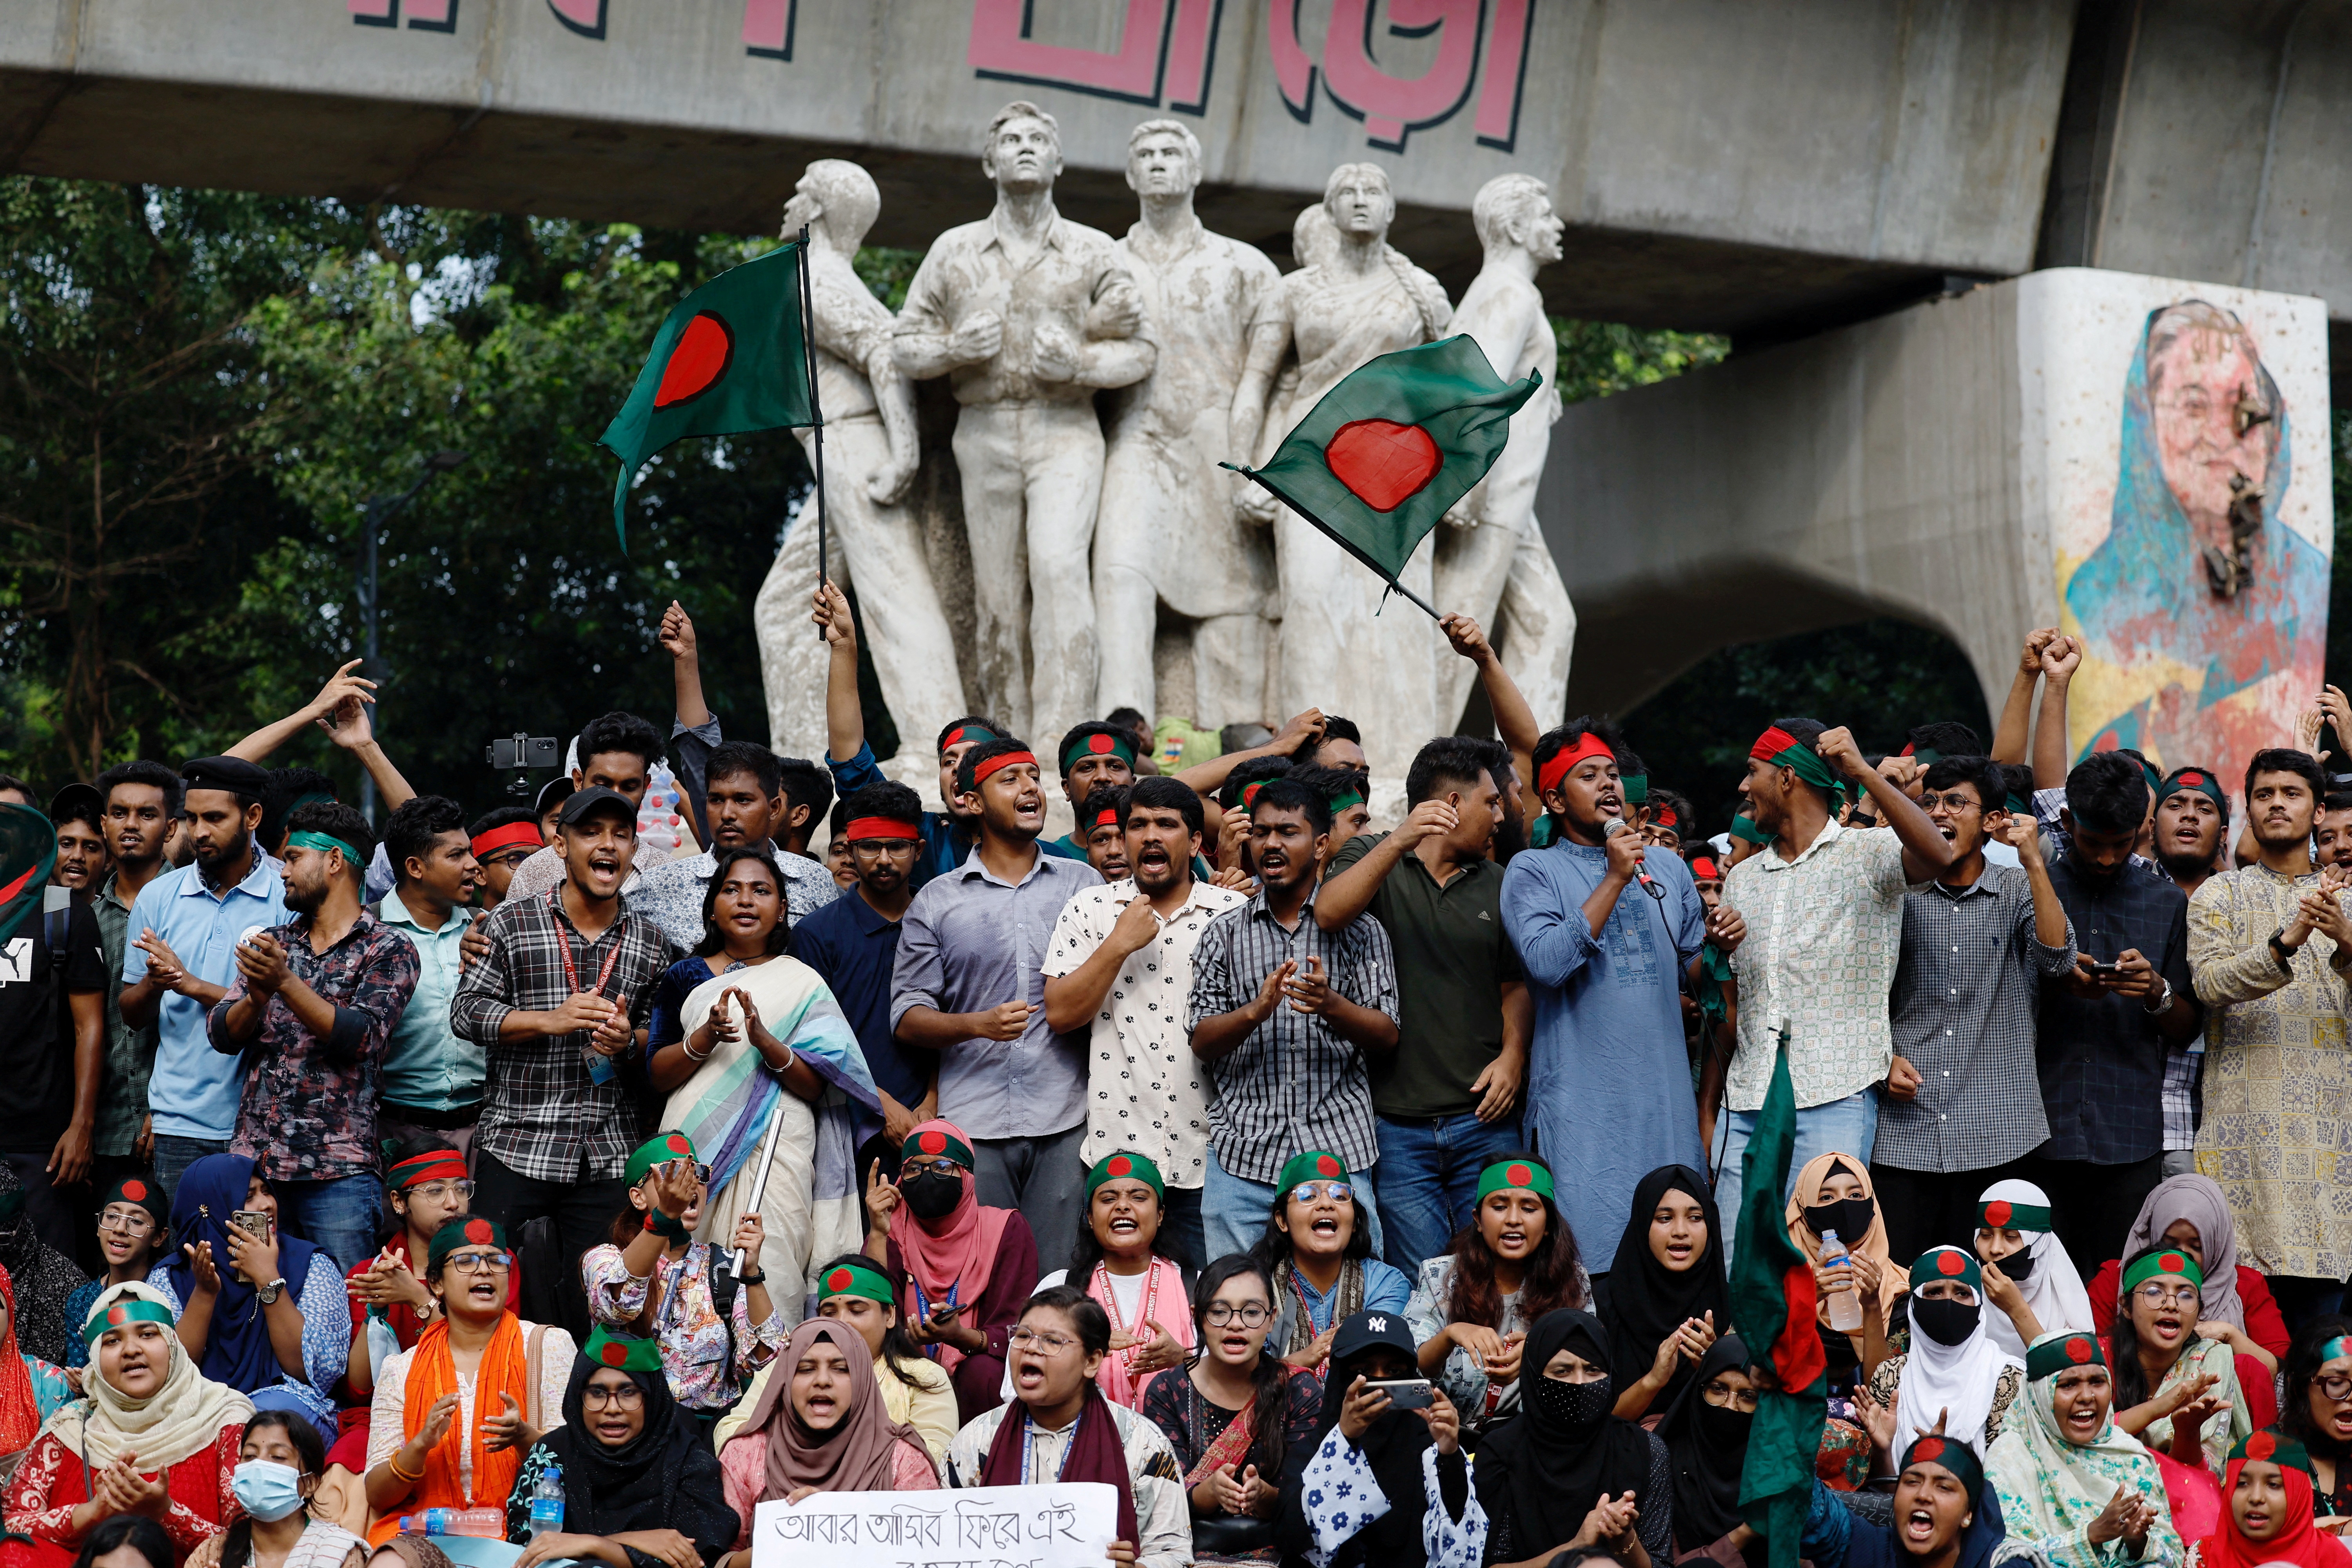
1518	1175
2261	1446
679	1145
1928	1448
613	1355
2173	1263
478	1231
1384	463
701	357
838	1280
118	1314
1951	1264
2078	1351
2192	779
1997	1213
1121	1165
1325	1165
1100	745
932	1143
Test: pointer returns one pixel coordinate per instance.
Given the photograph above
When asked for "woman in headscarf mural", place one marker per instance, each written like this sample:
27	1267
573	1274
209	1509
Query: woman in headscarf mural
2199	593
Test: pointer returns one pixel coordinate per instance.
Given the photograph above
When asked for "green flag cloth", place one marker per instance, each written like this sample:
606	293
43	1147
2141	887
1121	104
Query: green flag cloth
1773	1303
28	851
1391	447
731	357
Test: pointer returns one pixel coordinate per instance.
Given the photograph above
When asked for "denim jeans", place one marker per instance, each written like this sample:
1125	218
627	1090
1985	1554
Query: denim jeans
174	1154
1234	1210
339	1215
1848	1126
1429	1179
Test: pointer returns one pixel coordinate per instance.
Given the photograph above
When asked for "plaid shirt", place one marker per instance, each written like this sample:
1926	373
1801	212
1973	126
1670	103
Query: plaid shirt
541	1113
308	1113
1966	990
1292	1084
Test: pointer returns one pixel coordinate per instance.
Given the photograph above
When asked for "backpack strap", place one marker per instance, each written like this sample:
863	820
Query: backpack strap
535	1407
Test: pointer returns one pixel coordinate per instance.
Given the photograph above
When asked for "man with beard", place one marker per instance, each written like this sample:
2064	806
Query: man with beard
1602	969
1121	965
181	963
2191	814
142	801
559	1005
1962	1104
1285	1014
1095	756
2332	841
2269	947
310	1012
968	984
745	806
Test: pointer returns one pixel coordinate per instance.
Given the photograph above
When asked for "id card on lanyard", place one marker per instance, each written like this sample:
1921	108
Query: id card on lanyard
599	1065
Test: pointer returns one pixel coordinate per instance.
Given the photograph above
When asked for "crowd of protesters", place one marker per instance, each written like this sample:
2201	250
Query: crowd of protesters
1336	1196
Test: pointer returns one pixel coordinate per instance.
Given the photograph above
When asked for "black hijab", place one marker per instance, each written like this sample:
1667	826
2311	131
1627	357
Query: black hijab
1392	1445
1708	1446
666	1477
1642	1300
1544	1469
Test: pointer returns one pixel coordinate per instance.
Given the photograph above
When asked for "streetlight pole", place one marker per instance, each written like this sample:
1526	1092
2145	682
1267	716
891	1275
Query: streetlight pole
380	510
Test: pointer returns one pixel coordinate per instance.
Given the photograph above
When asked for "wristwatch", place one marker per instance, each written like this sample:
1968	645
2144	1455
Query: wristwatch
2282	952
2163	998
268	1294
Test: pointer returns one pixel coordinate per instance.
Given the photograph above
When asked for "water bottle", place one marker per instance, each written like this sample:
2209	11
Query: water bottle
546	1503
383	1343
1845	1307
489	1523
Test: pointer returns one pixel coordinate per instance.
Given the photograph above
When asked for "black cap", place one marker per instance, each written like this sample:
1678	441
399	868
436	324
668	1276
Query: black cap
231	773
584	804
554	792
76	794
1363	1331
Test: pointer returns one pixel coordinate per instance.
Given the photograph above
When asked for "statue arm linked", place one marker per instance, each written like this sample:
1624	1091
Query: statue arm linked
1116	351
920	340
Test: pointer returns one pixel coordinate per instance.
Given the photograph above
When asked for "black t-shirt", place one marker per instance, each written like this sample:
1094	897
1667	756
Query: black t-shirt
37	1053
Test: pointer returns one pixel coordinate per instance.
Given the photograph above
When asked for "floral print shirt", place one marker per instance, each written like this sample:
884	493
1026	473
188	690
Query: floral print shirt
708	1359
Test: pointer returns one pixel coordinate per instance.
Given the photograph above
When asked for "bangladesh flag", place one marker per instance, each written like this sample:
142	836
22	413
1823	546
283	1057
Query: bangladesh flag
1391	447
29	850
731	357
1773	1303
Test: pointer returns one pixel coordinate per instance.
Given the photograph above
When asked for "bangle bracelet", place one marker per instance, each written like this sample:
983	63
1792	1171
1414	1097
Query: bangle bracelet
394	1463
687	1046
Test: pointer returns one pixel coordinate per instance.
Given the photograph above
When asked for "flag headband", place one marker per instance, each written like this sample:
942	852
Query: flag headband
963	732
1666	817
2199	780
138	1190
1635	787
1249	792
523	833
2020	806
1744	826
124	1312
878	828
1315	1164
1116	1167
1515	1176
1002	760
1704	869
658	1150
2053	1356
936	1143
1925	756
466	1231
2171	1261
2276	1447
625	1351
855	1280
433	1165
305	838
1566	760
1107	818
1098	744
1947	1263
1342	802
2002	1214
1952	1455
2335	1349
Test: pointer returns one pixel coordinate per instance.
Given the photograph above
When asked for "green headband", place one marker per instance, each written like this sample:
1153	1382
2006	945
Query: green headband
1925	756
2161	1260
855	1280
466	1231
1744	826
658	1150
1514	1175
1952	1455
141	1191
2020	805
1947	1263
309	838
625	1351
935	1143
1313	1165
2199	781
2335	1349
1085	746
1634	788
2002	1214
130	1309
2053	1356
1112	1167
1342	802
2277	1447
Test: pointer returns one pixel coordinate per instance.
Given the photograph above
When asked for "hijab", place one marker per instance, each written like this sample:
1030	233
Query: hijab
1959	1379
1869	1244
239	1352
1565	1450
1642	1302
2301	1541
2051	1285
1095	1454
664	1477
185	1416
20	1408
44	1278
2198	1200
2050	1486
1708	1446
953	1253
1874	1545
855	1455
1393	1446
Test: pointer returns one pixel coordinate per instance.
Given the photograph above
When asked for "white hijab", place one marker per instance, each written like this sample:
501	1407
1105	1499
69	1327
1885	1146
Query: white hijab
1958	1380
2052	1287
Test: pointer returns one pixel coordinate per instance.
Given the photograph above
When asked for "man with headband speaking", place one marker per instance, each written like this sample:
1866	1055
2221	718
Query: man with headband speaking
313	1009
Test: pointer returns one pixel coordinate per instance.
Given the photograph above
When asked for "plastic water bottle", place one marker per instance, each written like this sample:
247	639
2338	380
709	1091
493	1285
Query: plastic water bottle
661	820
489	1523
1845	1307
546	1503
383	1343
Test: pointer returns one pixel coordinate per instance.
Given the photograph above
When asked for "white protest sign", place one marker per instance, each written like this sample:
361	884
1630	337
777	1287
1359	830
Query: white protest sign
1068	1525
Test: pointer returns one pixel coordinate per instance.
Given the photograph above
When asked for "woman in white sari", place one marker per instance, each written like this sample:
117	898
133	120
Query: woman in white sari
765	1077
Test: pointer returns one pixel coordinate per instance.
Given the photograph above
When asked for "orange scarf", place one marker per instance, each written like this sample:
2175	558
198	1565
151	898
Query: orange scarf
432	1372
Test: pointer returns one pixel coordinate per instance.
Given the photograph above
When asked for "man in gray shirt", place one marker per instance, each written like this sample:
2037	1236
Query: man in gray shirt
968	983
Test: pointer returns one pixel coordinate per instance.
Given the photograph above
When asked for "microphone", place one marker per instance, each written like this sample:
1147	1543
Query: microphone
1610	829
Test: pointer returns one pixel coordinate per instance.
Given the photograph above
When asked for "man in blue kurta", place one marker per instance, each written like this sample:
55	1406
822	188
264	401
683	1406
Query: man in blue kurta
1608	1094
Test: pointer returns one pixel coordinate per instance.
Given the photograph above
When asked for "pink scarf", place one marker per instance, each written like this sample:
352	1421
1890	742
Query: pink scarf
1162	1302
953	1254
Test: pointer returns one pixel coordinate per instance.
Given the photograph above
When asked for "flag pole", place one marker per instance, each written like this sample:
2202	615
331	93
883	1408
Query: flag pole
816	411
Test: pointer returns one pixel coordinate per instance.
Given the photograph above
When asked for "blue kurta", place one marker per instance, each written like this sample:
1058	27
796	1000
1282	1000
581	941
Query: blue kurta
1608	1086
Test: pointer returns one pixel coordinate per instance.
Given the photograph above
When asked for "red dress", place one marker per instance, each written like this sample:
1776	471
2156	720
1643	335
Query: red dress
50	1481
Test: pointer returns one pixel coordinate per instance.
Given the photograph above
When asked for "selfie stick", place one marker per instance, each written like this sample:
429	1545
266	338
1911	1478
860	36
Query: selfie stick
759	1182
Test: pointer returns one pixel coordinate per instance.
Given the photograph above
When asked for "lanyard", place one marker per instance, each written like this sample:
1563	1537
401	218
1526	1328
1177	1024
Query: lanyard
1029	1449
563	935
1102	1293
923	1307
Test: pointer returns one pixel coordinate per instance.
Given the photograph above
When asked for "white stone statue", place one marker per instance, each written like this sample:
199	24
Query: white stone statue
1492	561
1027	314
1169	531
870	454
1359	301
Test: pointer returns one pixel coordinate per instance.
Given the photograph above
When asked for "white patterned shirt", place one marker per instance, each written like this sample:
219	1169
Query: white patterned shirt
1146	1091
1824	933
1342	1498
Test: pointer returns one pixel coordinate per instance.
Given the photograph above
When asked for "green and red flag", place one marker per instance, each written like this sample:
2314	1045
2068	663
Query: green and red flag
1386	451
732	357
1774	1305
28	851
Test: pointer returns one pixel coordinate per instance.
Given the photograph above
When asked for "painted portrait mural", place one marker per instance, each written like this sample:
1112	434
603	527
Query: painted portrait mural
2192	545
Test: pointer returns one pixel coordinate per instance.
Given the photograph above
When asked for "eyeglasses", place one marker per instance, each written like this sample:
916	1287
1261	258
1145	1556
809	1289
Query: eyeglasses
894	847
2156	1295
2335	1385
1308	1192
628	1396
130	1222
1026	1339
1724	1397
936	1167
515	856
674	1167
1953	801
442	1192
1249	1314
479	1262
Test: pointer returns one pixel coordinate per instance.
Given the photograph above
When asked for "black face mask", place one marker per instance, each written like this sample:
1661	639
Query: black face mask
932	1196
1850	1217
1946	1322
1572	1410
2018	1265
1724	1425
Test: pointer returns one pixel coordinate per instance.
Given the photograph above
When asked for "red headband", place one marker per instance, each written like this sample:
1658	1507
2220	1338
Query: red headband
438	1165
1002	760
512	833
1590	745
1109	814
878	828
1665	818
1771	743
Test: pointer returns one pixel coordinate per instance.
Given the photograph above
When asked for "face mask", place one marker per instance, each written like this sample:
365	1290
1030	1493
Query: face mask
2018	1265
1723	1423
1573	1410
268	1490
932	1196
1850	1217
1946	1322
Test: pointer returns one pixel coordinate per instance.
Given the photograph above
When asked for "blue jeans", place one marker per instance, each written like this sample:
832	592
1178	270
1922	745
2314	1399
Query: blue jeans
1848	1126
1429	1179
174	1154
339	1215
1234	1210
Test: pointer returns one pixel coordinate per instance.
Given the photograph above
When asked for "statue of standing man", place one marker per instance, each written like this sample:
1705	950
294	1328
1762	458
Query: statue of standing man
871	452
1027	314
1170	532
